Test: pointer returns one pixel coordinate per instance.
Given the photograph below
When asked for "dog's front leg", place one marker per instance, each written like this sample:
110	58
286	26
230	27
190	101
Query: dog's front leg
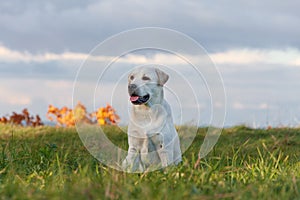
158	141
132	161
163	155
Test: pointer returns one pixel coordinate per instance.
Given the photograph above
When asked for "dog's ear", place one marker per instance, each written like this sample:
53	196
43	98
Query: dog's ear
162	77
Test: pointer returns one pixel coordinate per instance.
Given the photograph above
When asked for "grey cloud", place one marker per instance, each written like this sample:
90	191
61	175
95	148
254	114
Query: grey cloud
47	71
80	25
271	82
15	7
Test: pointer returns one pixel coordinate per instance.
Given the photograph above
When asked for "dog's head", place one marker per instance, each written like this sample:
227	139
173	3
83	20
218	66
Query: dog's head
145	85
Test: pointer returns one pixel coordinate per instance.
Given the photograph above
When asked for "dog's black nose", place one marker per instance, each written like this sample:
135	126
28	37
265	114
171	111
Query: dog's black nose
132	87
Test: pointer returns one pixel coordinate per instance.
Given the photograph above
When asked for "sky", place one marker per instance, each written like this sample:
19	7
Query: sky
254	45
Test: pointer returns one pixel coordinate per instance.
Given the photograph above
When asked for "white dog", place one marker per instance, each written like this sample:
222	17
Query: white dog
152	137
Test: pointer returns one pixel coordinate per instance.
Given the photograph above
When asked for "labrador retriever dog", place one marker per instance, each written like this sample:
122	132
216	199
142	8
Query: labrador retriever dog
152	137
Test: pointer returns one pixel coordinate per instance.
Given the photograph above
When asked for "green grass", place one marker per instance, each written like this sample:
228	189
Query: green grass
52	163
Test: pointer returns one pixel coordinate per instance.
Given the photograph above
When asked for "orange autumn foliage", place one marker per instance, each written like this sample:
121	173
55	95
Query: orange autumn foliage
106	115
22	119
67	117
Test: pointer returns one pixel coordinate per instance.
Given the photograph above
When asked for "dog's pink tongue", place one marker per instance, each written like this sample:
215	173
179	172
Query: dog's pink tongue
134	98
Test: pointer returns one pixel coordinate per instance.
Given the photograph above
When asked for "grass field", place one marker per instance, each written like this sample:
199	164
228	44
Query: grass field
52	163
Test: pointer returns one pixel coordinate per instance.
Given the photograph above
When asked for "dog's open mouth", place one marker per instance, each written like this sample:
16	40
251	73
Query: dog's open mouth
137	100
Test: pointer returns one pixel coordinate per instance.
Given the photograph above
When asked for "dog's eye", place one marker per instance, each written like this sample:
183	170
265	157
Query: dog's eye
131	77
145	78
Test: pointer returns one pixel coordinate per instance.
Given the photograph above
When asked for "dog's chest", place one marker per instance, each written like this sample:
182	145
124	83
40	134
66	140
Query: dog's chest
143	116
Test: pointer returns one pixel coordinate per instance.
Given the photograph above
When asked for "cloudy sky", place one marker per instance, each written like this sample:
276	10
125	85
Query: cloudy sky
254	44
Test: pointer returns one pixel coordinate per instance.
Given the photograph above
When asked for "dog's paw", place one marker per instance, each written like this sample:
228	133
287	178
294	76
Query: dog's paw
134	166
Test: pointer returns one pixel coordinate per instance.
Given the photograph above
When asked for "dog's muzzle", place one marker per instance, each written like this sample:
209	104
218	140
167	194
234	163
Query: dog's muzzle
135	98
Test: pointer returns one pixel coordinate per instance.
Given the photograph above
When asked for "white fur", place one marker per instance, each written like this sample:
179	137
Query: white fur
152	137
